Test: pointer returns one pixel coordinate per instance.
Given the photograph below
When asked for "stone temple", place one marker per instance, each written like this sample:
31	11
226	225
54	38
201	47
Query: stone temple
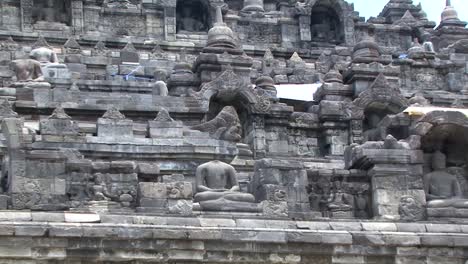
153	131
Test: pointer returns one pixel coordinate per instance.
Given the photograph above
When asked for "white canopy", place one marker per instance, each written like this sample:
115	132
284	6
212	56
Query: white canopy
301	92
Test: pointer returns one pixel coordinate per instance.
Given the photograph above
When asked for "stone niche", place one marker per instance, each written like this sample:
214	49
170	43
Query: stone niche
326	25
192	16
51	12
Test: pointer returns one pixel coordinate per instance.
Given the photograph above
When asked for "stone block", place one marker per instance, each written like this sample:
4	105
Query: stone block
66	231
58	127
129	56
346	226
336	237
82	218
131	69
374	226
312	237
437	239
47	217
368	238
123	167
30	230
4	202
411	227
401	239
443	228
148	169
215	222
313	225
173	178
7	230
15	251
152	190
153	203
11	216
163	129
115	129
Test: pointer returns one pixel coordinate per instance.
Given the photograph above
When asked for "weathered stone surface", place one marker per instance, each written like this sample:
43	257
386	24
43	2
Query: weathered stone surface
112	188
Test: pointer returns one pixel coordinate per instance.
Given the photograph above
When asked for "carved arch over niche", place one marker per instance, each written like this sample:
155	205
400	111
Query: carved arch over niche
370	108
344	12
446	131
228	88
326	23
380	95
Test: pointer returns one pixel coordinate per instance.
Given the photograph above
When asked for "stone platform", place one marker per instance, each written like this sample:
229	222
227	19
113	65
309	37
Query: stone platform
65	237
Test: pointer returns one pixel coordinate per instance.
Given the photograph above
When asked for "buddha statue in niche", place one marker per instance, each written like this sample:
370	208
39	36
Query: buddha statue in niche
50	11
189	20
442	188
218	189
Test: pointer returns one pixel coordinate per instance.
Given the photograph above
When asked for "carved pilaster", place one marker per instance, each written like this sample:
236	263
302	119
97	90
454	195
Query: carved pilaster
26	15
77	16
257	136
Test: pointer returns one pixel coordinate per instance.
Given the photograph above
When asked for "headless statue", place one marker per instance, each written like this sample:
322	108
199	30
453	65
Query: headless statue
442	188
27	70
218	189
44	55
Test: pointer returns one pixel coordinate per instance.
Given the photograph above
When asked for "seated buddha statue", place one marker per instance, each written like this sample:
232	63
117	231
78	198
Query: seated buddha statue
27	70
442	188
218	189
49	62
44	55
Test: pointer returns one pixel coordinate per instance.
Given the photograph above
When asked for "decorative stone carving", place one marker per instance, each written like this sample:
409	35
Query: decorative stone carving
226	86
218	189
410	209
163	126
9	44
340	204
100	49
59	124
114	126
225	126
5	110
125	4
267	84
72	46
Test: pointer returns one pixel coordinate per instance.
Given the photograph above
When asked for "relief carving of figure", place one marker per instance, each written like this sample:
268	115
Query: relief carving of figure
339	200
